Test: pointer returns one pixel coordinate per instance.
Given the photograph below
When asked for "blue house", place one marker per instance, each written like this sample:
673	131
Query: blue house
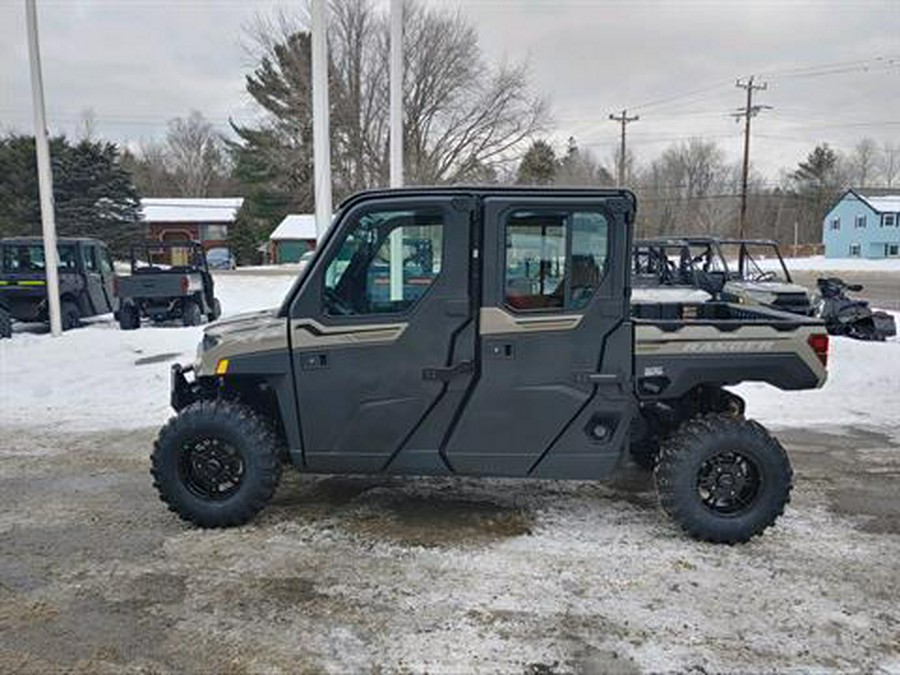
864	223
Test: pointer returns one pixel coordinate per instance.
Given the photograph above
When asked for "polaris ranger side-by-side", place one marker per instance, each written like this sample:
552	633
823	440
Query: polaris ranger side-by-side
485	332
755	274
169	280
85	281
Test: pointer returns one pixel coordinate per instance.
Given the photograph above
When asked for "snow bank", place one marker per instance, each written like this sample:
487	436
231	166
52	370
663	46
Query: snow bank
100	377
863	389
822	264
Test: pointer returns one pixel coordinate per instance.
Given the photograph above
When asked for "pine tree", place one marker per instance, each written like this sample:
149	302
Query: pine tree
538	165
93	195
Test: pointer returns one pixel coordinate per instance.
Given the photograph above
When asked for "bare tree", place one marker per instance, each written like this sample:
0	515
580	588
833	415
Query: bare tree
463	119
689	188
87	125
194	154
579	167
889	165
863	162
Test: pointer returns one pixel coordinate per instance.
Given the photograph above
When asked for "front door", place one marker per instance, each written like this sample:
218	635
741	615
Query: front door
382	336
552	394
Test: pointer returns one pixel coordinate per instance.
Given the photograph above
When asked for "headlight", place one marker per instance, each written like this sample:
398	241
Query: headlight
209	341
762	297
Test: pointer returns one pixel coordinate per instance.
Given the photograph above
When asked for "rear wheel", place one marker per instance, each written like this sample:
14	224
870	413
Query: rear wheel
191	314
723	478
5	324
71	317
129	317
216	464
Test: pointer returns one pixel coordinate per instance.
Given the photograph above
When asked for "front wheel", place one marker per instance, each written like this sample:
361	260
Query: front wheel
216	464
723	478
129	317
71	316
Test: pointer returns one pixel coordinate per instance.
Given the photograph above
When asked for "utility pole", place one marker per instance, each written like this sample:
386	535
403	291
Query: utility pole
321	140
396	141
750	111
45	172
622	119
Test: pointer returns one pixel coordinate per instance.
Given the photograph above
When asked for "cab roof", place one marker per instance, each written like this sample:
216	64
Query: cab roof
490	191
59	240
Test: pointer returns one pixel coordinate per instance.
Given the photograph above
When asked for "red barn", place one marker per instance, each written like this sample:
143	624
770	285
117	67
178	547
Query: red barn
202	219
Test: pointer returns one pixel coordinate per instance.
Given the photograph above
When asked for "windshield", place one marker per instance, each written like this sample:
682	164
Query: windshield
29	258
756	261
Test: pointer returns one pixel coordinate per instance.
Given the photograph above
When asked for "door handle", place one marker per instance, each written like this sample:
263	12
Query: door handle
447	374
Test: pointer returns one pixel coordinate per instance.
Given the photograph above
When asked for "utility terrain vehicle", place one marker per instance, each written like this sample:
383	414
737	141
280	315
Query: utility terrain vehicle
674	271
756	274
484	332
85	280
169	280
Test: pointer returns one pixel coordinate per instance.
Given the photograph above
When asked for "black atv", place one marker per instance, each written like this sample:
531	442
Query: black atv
851	317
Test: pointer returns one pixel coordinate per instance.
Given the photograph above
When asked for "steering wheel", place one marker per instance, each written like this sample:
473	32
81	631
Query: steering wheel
336	303
765	276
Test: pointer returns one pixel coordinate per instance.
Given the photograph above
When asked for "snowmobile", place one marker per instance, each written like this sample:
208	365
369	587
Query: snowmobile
848	316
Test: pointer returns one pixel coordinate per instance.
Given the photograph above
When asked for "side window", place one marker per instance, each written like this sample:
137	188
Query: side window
385	263
89	253
106	263
554	260
66	257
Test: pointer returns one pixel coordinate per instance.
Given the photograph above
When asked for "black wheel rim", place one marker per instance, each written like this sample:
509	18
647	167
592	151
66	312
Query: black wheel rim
211	468
729	483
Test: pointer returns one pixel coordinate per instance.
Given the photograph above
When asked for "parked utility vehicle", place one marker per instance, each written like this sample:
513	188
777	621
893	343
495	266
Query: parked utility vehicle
169	281
671	270
484	332
85	280
758	275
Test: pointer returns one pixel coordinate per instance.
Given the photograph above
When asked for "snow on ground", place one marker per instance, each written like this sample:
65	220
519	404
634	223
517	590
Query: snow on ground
863	389
820	263
100	377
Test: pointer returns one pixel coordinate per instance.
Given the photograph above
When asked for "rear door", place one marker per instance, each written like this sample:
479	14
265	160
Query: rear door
552	395
95	284
382	336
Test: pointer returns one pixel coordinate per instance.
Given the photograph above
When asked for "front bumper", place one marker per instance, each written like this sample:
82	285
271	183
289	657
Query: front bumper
183	391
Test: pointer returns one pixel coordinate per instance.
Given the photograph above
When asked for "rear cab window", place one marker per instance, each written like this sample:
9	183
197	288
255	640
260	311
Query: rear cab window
554	260
29	258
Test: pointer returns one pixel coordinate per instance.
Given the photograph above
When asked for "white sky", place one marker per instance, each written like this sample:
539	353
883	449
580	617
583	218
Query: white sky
138	63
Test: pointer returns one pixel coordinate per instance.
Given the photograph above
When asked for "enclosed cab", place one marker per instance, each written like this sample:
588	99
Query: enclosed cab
484	332
85	279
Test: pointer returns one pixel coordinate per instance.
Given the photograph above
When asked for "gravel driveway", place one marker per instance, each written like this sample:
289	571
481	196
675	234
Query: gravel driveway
387	575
